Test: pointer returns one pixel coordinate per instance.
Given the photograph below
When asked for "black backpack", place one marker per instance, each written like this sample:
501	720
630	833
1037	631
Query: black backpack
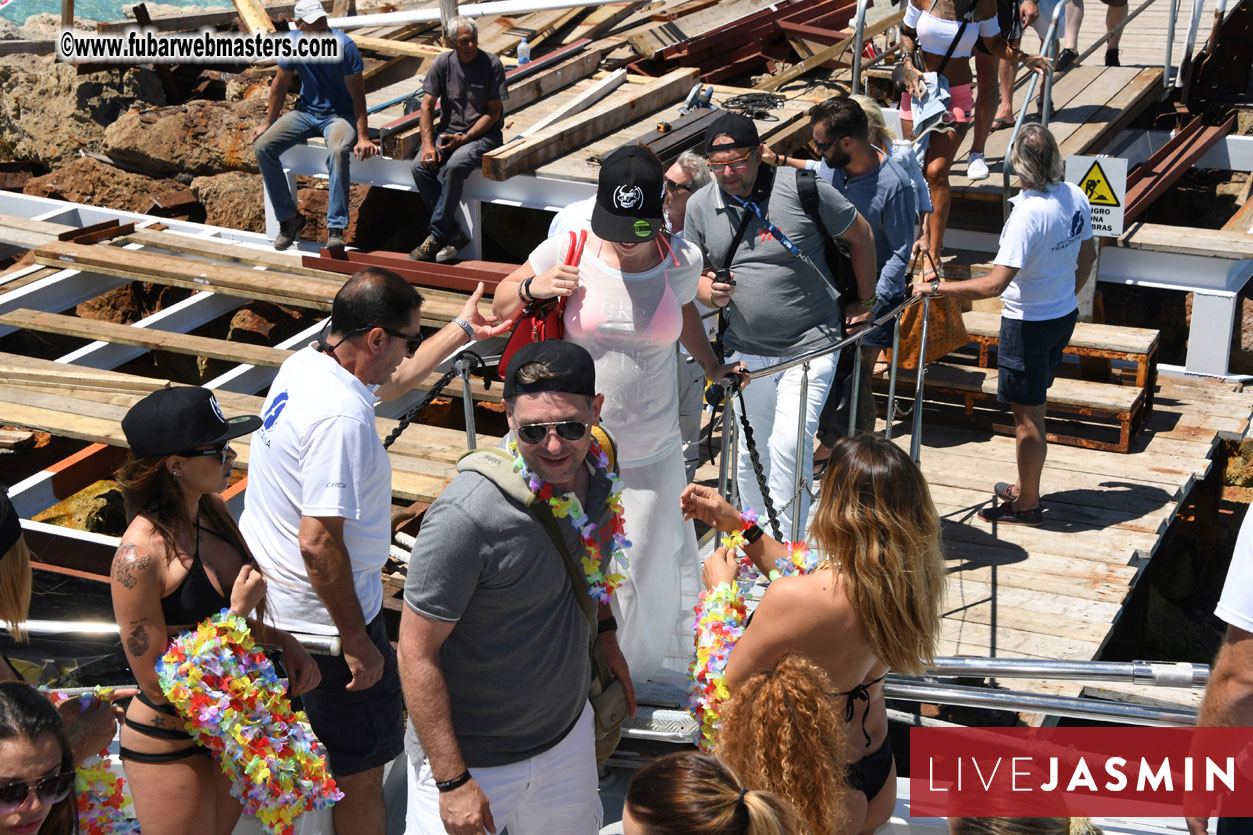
836	251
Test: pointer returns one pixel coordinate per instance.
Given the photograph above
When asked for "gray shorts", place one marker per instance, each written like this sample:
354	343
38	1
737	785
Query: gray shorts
1029	356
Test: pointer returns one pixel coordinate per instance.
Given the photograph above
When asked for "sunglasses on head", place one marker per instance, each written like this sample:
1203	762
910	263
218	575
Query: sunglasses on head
671	185
567	430
221	451
51	790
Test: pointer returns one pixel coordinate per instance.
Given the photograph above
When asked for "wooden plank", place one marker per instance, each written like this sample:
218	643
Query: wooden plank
579	103
1064	392
1215	243
1086	335
254	16
832	52
400	49
564	137
26	224
411	271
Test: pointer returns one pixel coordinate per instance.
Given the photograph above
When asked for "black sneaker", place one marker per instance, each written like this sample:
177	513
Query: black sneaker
1111	58
426	250
452	247
334	238
1006	514
288	230
1065	59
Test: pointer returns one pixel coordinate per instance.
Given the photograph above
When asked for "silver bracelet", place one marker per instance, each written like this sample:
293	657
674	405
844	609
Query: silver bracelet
465	326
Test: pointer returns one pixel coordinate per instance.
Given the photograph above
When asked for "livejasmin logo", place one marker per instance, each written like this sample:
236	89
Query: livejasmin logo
1094	772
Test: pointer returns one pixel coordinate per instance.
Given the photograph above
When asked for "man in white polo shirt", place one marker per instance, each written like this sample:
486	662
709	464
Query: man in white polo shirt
317	516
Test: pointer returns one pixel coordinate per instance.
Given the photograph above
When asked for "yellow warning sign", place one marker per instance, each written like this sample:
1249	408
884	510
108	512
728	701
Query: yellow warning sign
1096	186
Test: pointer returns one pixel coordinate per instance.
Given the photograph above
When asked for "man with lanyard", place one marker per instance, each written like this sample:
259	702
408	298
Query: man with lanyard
493	641
884	196
777	292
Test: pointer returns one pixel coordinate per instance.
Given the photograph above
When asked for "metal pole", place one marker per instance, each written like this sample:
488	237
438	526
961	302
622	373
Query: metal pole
1150	673
467	402
728	439
855	401
896	356
1050	49
798	477
1167	81
1193	26
858	45
982	697
915	442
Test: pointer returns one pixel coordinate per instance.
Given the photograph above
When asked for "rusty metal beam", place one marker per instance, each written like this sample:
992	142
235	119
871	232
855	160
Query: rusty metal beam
420	273
1159	172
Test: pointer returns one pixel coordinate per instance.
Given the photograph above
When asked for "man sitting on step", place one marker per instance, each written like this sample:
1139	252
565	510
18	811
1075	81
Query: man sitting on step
469	85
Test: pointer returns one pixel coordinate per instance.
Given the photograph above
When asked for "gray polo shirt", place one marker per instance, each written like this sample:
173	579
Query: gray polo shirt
781	306
516	662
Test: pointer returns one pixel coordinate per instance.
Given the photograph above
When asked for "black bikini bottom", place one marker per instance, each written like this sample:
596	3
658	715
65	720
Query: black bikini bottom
160	733
870	773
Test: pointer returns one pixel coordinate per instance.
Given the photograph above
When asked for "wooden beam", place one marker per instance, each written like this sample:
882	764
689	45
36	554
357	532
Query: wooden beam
581	102
254	16
400	49
830	53
67	14
344	8
564	137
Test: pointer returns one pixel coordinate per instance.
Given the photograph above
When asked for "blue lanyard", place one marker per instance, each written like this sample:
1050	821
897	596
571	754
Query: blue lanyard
775	232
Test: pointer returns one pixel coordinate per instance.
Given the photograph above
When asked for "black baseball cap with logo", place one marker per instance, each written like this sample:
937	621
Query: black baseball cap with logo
181	419
629	196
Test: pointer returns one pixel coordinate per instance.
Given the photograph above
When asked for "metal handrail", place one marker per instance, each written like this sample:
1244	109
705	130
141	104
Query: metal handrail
1049	48
1194	25
1148	673
1170	48
318	644
858	46
1021	702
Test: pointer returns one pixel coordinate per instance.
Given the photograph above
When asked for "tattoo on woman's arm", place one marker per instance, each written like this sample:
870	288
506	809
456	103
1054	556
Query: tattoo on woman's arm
137	642
126	562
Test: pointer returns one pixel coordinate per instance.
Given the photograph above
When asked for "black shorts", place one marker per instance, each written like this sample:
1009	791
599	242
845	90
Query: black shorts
360	729
1029	356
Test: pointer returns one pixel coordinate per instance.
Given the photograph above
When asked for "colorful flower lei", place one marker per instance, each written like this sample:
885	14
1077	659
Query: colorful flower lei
720	618
600	585
232	703
721	615
102	803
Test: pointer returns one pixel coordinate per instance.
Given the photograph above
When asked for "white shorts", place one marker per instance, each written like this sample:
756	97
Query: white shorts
553	792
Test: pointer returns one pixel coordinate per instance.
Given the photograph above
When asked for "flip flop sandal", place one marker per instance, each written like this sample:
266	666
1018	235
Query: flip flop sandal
1006	514
1001	124
1005	491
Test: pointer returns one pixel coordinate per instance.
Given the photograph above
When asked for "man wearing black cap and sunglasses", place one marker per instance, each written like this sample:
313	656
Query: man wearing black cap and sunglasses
773	280
317	515
495	634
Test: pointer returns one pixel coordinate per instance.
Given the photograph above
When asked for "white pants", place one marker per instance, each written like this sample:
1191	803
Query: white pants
691	407
773	405
647	604
553	792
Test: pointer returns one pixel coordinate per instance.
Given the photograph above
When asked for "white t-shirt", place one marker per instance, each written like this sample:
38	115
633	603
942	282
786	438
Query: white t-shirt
1236	605
630	323
576	216
317	453
1041	240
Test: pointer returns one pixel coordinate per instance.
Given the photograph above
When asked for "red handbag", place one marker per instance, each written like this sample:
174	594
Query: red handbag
541	319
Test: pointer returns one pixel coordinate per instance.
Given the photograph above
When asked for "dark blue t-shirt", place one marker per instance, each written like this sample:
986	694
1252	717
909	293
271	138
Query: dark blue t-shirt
323	92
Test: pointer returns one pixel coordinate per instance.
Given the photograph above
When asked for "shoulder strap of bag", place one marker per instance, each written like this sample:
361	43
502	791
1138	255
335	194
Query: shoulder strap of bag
574	253
496	465
961	30
807	191
723	319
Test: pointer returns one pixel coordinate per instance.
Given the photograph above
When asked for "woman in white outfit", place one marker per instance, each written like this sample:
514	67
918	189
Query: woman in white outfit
628	302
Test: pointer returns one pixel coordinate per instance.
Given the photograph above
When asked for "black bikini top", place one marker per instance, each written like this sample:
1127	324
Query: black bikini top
195	598
860	692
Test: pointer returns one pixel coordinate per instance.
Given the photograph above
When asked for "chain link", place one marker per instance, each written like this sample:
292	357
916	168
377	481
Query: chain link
755	459
475	362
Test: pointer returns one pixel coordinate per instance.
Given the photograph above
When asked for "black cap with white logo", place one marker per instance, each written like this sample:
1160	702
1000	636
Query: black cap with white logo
629	196
181	419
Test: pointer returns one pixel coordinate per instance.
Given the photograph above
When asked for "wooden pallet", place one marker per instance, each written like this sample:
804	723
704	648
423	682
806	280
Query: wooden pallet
1135	345
1090	406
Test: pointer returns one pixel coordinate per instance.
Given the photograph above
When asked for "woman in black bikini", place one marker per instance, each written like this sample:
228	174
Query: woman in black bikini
179	556
871	604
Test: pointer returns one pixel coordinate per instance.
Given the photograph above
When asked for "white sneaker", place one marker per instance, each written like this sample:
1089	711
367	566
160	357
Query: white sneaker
976	168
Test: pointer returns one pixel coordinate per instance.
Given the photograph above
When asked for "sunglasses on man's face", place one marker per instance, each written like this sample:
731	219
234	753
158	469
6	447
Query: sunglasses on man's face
821	147
567	430
221	451
671	185
411	341
51	790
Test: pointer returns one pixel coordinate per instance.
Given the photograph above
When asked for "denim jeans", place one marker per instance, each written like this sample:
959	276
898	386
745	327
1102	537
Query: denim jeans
296	126
441	188
773	405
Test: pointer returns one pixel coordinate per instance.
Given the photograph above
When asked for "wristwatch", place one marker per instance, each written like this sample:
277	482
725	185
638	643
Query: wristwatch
935	287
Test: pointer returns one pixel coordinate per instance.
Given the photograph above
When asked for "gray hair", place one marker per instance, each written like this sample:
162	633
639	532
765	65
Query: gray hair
456	24
694	164
1036	158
